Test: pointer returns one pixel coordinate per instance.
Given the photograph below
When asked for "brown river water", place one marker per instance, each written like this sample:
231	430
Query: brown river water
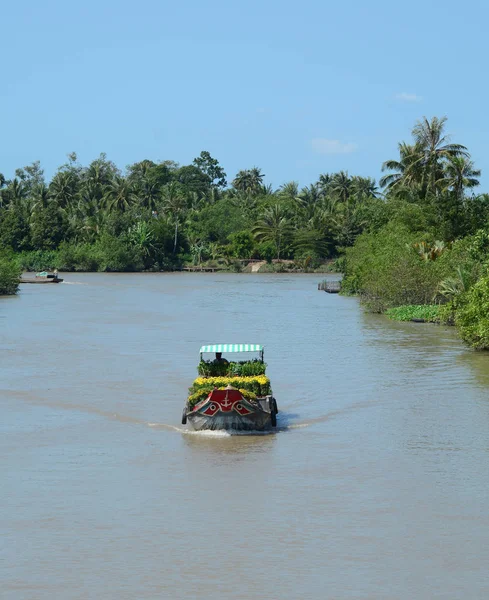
374	486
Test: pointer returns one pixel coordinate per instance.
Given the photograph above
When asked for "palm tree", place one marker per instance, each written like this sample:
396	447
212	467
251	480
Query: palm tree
249	181
174	202
93	225
340	186
119	195
364	186
147	192
308	200
408	169
324	183
41	196
211	196
429	136
62	188
17	192
289	190
459	174
273	226
311	241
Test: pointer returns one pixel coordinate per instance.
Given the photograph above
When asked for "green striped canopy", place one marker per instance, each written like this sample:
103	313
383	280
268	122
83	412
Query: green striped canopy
232	348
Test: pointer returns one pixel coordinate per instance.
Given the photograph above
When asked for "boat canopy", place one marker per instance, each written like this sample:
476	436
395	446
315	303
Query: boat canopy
232	348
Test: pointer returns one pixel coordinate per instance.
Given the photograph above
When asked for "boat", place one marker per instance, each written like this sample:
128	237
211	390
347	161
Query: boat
42	277
231	395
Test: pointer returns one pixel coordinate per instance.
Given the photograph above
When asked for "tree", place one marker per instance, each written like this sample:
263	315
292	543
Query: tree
32	175
273	226
407	170
210	167
99	175
147	193
289	190
364	186
192	179
175	204
242	244
422	164
14	229
459	174
9	275
249	181
308	201
63	188
40	197
138	171
47	227
341	185
15	193
119	195
435	146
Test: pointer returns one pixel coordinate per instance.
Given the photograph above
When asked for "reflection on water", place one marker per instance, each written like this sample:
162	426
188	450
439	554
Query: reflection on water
374	484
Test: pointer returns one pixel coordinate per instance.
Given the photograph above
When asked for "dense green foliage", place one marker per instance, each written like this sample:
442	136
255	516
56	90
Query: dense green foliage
9	275
258	385
425	255
246	368
430	313
162	216
472	315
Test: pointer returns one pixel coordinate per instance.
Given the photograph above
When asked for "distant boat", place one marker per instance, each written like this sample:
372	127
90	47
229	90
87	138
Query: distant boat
42	277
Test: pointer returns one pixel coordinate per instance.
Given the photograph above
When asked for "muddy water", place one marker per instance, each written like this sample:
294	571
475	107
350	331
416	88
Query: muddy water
375	486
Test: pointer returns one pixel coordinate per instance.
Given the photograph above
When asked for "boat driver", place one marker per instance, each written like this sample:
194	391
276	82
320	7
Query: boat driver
219	360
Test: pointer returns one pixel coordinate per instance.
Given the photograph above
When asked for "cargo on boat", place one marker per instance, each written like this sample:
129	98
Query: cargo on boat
231	395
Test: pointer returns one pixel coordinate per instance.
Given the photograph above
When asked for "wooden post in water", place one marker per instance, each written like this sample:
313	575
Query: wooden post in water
332	287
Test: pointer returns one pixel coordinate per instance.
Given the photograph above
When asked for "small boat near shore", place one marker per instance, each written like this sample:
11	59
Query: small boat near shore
42	277
231	395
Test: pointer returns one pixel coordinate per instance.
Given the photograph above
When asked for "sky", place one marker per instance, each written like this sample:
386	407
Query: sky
294	88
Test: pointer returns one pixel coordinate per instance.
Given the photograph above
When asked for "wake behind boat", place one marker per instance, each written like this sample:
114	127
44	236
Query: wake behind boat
231	395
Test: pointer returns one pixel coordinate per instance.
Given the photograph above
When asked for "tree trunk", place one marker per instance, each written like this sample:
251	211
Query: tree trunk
176	236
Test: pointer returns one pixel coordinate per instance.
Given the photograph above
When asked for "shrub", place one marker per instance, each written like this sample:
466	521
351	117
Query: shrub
107	254
10	273
472	315
247	368
115	254
38	260
385	269
266	251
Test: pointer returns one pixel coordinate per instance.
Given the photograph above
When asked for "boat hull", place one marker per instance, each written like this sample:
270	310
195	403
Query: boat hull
229	410
42	280
258	421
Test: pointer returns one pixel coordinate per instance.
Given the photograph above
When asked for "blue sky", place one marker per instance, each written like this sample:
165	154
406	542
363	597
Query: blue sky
295	88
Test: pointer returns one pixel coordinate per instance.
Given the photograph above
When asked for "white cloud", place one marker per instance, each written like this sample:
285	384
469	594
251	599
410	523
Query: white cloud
405	97
324	146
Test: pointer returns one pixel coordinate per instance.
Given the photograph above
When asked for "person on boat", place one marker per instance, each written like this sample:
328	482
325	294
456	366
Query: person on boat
219	360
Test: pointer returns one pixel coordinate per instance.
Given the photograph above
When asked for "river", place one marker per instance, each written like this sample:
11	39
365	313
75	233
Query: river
374	486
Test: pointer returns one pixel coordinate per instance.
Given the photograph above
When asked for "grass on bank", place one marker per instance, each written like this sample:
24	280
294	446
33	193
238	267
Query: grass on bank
429	313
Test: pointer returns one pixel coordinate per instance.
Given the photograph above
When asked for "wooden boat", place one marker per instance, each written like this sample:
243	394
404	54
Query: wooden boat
231	395
42	277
